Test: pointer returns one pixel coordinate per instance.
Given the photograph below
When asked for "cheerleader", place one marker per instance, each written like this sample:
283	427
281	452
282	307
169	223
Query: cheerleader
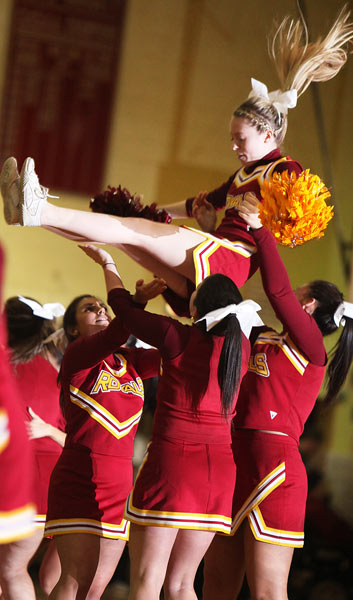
277	395
183	492
102	397
181	255
35	358
17	508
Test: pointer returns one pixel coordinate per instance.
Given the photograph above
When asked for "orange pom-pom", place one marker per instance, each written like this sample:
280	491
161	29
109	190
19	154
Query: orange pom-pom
294	207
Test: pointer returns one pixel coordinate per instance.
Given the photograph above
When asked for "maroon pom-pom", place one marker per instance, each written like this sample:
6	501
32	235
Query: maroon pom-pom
119	202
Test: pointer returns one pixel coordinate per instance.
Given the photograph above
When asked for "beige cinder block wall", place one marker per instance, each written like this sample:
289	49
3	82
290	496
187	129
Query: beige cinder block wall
185	65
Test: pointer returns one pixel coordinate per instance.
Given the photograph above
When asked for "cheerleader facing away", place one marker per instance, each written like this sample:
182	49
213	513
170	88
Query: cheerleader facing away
35	358
181	255
102	397
17	508
183	492
276	397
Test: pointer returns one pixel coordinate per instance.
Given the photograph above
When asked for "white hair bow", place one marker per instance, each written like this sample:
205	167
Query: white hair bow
282	101
345	309
47	311
246	313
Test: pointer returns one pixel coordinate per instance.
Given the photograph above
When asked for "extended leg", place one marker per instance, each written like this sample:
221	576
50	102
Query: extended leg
25	198
174	280
169	244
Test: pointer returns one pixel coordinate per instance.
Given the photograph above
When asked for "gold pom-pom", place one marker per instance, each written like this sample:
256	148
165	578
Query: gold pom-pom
294	207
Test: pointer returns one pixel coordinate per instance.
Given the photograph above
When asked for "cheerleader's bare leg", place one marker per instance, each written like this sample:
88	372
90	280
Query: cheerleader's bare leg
50	569
189	549
15	581
25	201
174	280
267	567
224	567
88	563
167	244
149	550
165	554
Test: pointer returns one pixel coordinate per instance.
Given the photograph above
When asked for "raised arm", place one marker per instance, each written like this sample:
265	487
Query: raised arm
144	291
168	335
104	259
164	333
177	209
301	327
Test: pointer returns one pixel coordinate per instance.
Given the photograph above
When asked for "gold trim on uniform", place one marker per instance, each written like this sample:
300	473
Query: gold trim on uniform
287	346
106	530
204	250
178	520
251	510
16	524
100	414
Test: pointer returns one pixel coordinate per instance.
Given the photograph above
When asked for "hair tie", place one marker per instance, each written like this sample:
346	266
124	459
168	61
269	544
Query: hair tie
47	311
345	309
282	101
246	313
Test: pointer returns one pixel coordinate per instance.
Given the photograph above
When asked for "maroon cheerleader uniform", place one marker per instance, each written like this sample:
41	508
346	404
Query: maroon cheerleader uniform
37	382
17	508
231	249
103	395
277	394
187	476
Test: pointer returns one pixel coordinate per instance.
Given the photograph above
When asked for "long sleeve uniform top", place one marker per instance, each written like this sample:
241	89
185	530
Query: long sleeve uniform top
286	369
188	374
103	389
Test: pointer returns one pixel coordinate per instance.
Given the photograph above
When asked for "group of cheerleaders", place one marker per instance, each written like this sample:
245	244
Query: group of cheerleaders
222	478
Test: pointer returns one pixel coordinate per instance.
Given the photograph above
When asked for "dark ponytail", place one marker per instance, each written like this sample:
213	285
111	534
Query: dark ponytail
218	291
341	358
329	298
229	366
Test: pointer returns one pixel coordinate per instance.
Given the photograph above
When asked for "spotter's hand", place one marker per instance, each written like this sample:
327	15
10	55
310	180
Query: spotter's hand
249	211
204	213
146	291
100	256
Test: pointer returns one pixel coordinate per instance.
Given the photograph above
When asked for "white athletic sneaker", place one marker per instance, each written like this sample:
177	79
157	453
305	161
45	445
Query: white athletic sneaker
10	191
32	195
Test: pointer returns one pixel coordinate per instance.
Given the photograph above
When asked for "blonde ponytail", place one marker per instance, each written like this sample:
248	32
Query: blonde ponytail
298	62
